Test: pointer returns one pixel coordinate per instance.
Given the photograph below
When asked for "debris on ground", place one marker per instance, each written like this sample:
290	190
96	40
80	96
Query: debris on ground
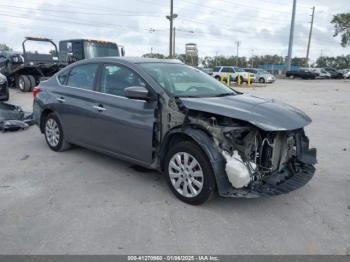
13	118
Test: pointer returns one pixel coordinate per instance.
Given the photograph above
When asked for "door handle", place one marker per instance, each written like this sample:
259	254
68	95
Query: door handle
99	108
60	99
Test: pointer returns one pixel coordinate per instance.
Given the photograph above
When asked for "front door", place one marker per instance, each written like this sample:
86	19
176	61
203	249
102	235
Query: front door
123	126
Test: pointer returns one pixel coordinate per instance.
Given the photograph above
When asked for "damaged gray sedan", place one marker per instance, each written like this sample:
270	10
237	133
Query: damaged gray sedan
167	116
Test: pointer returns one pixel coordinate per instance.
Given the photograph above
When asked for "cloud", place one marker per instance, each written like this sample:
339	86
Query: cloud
140	25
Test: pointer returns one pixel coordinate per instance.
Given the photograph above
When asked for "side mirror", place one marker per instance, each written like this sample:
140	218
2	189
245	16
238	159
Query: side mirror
122	50
137	92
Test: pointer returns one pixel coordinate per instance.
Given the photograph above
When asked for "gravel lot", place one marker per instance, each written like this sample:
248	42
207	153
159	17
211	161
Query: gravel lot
82	202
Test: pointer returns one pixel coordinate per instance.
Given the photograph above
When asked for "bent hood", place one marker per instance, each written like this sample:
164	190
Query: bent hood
266	114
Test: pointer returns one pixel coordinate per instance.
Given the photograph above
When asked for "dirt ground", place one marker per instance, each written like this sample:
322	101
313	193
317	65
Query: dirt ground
82	202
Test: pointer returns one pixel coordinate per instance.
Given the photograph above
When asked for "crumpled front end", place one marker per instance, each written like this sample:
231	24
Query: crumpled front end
251	156
251	161
273	163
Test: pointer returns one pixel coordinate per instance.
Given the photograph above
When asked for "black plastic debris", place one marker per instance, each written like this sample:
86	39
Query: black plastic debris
13	118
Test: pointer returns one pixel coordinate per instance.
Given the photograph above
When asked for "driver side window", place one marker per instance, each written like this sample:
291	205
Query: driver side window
115	78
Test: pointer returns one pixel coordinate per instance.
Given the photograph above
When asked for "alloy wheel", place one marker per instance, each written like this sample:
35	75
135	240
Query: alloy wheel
52	132
186	174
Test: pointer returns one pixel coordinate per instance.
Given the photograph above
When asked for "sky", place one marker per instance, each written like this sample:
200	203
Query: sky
261	27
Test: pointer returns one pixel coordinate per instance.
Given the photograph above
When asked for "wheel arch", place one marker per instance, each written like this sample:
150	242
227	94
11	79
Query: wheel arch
205	143
43	116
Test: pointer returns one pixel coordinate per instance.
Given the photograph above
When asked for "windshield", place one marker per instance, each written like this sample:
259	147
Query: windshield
93	49
239	70
185	81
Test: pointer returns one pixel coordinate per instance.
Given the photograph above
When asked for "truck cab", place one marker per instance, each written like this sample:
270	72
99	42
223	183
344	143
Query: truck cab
79	49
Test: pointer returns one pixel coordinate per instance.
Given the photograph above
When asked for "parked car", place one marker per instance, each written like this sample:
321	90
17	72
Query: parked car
208	71
322	73
334	73
4	90
167	116
301	73
261	76
222	72
344	71
347	75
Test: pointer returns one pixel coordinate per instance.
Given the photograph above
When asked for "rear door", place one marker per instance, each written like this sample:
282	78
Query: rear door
75	101
227	71
123	126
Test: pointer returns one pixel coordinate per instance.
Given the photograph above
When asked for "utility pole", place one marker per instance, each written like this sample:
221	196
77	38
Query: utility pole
171	18
310	35
252	66
174	35
237	45
291	36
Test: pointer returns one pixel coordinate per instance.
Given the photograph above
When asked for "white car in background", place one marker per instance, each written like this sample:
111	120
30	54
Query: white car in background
322	73
223	72
347	74
262	76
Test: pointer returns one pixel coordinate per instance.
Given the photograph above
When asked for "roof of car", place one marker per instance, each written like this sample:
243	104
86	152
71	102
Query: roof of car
135	60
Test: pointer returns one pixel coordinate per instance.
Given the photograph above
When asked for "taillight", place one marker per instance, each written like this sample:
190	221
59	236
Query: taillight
36	90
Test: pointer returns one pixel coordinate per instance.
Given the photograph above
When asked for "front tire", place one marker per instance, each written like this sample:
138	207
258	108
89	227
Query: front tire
262	80
54	134
189	173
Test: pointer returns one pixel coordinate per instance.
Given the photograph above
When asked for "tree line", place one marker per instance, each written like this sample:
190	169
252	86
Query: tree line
338	62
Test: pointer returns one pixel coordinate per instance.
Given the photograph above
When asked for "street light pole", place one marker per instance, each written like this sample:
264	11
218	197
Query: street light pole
291	36
171	28
174	36
237	43
310	35
171	18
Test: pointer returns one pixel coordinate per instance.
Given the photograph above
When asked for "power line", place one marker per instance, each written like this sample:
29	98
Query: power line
237	5
75	12
84	6
66	21
223	12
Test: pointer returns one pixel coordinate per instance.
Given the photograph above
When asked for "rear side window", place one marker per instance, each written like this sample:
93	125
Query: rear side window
62	78
217	69
227	70
83	76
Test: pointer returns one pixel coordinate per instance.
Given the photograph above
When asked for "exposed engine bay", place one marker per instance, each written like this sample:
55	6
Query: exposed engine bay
256	162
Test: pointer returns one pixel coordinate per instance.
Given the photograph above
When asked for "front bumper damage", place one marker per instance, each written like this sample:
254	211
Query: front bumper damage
281	182
297	172
217	136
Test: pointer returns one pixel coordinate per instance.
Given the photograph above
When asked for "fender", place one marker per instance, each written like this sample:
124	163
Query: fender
206	143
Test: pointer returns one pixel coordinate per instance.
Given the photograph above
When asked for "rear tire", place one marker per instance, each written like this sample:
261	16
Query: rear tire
54	136
262	80
23	83
32	82
189	174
